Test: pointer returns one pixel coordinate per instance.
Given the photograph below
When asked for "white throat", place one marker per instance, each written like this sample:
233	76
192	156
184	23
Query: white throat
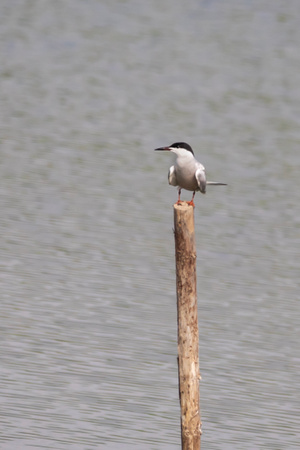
182	153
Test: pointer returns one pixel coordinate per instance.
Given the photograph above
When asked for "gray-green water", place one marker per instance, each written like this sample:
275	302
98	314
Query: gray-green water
88	307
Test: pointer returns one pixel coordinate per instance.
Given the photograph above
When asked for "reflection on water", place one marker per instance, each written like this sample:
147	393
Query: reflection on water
88	329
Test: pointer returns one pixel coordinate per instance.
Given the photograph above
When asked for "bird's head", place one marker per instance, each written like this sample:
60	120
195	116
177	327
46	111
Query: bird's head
180	148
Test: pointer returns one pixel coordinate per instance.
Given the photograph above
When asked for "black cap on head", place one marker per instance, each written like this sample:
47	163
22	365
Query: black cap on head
182	145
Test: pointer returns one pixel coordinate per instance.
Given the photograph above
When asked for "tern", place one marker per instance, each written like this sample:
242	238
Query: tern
187	173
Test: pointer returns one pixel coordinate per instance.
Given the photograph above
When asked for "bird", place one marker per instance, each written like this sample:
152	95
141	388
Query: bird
187	173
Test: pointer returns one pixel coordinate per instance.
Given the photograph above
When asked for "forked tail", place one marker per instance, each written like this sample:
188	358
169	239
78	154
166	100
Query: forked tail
215	183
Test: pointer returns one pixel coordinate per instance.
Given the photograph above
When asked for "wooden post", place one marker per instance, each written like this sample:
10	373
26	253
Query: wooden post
188	334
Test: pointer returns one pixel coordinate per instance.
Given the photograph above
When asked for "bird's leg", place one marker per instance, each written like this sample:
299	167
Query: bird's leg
178	201
192	201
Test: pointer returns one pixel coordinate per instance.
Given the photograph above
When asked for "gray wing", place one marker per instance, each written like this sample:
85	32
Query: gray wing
172	176
201	179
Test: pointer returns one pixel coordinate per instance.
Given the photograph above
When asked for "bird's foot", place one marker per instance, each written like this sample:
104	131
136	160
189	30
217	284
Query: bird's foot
178	202
191	203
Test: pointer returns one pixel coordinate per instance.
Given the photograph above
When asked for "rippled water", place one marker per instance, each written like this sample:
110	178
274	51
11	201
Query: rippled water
88	307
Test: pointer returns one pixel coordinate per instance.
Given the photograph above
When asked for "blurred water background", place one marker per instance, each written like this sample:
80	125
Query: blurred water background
88	305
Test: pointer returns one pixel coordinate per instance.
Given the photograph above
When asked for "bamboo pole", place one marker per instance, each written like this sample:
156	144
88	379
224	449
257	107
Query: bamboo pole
188	334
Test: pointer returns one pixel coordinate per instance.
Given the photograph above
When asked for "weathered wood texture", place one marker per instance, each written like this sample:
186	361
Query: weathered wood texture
188	334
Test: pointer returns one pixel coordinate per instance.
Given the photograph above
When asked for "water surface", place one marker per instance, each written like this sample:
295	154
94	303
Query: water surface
88	305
